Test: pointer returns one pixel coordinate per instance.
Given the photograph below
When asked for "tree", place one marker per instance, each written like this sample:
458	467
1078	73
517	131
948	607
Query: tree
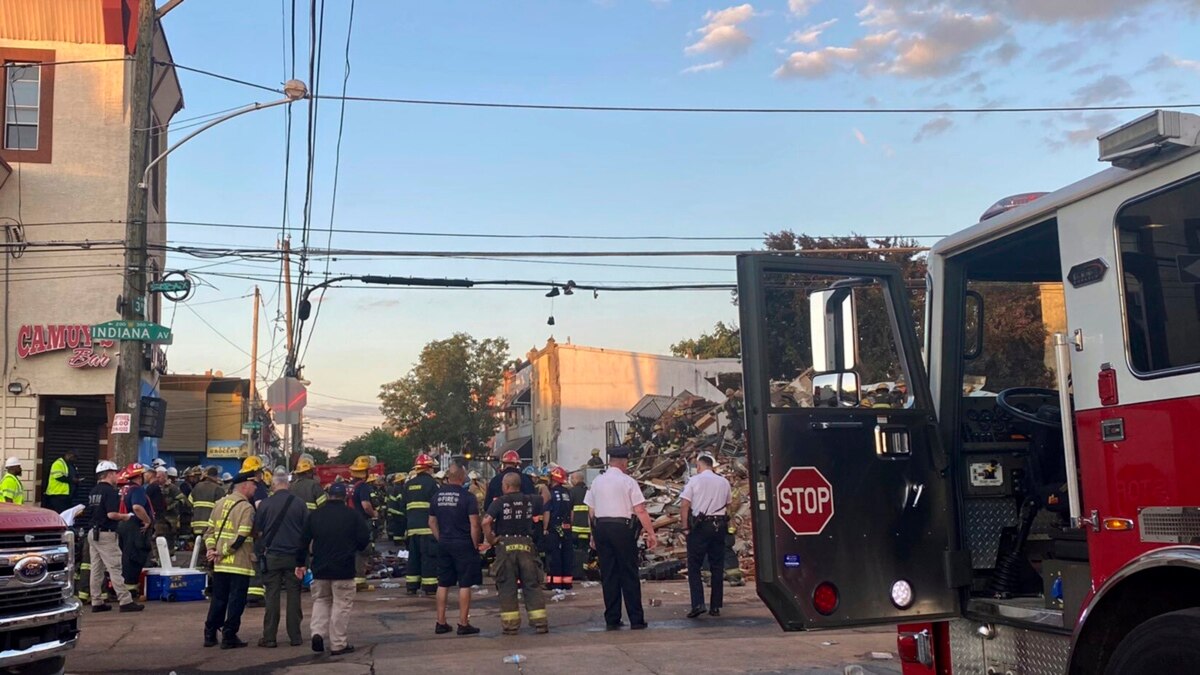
395	452
724	342
448	399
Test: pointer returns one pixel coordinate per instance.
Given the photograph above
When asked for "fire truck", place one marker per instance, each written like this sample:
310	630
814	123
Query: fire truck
1024	497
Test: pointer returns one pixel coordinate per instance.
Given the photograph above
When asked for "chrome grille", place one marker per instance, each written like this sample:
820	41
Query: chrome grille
27	540
1169	524
22	601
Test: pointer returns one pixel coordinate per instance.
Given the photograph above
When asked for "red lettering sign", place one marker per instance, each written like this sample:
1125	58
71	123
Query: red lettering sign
35	340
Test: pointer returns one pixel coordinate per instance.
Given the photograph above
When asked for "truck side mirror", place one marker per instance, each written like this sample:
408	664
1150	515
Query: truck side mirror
836	390
834	330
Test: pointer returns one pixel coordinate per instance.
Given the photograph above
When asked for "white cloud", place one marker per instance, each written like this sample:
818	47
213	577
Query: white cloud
934	127
860	137
723	33
943	45
702	67
1106	89
810	35
1167	62
816	64
801	7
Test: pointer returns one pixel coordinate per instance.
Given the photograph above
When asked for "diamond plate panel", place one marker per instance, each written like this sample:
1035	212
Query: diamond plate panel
1013	650
985	518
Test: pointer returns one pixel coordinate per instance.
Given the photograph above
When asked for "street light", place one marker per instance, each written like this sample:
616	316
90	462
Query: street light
293	90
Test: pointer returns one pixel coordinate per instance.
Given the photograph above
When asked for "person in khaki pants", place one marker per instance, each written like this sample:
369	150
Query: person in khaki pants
104	554
335	533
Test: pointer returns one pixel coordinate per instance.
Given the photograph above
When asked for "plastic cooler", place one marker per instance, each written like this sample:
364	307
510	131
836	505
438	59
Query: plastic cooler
174	585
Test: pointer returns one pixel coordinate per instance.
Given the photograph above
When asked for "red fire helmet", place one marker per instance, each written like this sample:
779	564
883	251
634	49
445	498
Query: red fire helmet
424	461
510	457
558	475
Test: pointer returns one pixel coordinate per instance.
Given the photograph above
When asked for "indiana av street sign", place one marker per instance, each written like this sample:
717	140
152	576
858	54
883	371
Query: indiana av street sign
142	331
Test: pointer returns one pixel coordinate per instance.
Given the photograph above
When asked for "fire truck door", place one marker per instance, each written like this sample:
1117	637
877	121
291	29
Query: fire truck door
853	516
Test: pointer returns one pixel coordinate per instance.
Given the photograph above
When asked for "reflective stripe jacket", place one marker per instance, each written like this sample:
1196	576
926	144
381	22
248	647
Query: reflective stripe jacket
418	492
203	498
559	508
60	475
579	513
310	491
11	489
175	502
232	517
397	523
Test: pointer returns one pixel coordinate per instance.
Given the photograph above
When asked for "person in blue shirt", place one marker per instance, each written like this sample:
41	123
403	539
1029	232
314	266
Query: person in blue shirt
135	534
454	519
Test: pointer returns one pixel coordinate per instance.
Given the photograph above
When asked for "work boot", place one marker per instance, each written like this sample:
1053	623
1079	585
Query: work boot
715	611
101	608
232	641
318	643
131	607
344	650
467	629
210	638
441	628
697	611
270	644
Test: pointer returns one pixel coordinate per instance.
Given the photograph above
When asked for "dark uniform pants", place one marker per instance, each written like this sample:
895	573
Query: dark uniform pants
227	604
57	503
422	564
706	539
517	563
616	546
135	552
560	558
83	573
281	579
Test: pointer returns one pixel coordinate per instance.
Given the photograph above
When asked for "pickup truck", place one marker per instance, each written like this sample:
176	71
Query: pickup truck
39	617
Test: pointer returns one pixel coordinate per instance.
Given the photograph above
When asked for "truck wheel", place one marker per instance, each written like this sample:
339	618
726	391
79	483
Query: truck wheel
1164	644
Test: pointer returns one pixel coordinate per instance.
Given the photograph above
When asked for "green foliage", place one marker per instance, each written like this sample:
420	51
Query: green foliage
724	342
395	452
447	399
1014	337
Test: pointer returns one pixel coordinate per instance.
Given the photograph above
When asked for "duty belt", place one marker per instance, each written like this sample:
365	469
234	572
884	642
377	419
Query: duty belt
713	519
627	522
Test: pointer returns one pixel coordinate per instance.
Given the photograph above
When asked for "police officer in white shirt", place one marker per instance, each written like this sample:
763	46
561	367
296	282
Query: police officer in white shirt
705	517
613	500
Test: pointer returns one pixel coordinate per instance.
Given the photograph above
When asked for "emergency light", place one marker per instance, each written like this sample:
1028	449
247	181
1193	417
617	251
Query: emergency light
1132	144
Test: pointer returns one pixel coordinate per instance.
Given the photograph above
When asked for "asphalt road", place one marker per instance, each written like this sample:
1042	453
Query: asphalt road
393	633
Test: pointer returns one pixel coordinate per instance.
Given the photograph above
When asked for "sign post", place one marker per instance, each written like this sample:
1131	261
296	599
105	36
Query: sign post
804	499
287	397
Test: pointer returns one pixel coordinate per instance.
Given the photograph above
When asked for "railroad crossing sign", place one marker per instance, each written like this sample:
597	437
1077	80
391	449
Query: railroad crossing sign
804	500
286	397
142	331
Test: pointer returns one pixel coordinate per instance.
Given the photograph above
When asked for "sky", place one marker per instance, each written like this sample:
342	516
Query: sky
406	168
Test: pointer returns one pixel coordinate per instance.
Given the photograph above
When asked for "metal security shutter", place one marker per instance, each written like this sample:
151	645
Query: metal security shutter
84	439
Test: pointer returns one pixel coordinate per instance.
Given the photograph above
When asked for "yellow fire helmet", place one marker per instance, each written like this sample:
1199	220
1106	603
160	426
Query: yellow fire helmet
304	465
399	477
251	463
361	463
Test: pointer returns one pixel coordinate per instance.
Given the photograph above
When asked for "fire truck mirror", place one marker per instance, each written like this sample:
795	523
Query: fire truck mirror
836	390
834	332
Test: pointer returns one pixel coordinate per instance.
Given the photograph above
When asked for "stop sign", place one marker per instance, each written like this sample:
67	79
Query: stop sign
804	500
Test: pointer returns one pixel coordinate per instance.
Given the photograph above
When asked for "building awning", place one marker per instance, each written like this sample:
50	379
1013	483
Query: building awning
519	398
523	447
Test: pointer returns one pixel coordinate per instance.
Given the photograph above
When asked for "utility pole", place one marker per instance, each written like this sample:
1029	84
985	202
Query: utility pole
289	438
129	373
254	352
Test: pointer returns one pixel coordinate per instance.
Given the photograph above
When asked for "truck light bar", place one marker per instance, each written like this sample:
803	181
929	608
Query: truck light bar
1132	144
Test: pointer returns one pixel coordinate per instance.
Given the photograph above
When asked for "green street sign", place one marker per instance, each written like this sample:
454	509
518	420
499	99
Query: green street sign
252	426
139	306
171	286
142	331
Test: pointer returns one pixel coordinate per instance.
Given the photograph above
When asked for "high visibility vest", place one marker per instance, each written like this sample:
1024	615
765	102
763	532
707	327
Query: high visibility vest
11	489
58	470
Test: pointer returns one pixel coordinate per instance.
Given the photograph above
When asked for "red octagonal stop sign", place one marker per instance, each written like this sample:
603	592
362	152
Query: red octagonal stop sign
804	500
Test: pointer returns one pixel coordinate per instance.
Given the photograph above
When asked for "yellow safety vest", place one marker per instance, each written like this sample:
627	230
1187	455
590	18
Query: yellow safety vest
11	489
58	470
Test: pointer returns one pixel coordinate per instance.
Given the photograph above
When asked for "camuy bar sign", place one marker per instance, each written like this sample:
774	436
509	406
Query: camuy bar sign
77	338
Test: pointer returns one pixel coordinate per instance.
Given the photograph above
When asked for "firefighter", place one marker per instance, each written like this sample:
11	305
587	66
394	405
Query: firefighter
134	535
542	492
595	460
477	488
359	493
305	487
168	525
379	497
229	539
508	526
204	496
257	593
395	509
557	515
581	528
509	461
190	476
422	570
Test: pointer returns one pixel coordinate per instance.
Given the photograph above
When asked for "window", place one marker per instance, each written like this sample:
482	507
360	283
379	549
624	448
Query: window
21	106
27	96
1160	264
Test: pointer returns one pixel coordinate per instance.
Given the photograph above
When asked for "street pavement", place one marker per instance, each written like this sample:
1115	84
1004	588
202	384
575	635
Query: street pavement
393	633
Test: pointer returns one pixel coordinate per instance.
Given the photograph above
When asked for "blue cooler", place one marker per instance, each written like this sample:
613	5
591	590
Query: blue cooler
174	585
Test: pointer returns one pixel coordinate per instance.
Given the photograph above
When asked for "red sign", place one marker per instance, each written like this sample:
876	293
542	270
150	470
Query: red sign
85	353
805	500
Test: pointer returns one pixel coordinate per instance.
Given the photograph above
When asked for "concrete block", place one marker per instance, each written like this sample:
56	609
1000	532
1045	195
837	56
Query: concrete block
19	433
25	423
23	444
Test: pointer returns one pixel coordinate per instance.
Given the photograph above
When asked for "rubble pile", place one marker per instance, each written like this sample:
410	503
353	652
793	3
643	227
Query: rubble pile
663	450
